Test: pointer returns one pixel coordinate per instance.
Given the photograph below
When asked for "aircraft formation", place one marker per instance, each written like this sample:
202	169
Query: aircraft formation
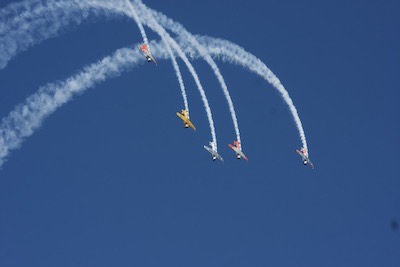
184	116
25	28
212	149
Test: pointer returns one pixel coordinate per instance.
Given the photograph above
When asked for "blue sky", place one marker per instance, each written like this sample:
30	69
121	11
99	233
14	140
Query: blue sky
113	179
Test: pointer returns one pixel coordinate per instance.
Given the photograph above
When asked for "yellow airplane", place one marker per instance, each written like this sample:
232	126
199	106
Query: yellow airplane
184	116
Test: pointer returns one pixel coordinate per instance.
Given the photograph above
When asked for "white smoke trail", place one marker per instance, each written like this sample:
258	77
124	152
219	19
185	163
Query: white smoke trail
23	11
171	55
179	76
138	22
106	7
41	21
28	116
232	53
31	28
11	138
183	33
152	23
25	29
239	56
15	9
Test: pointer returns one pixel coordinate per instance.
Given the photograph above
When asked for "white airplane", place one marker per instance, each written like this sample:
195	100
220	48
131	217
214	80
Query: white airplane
146	51
213	151
238	150
304	156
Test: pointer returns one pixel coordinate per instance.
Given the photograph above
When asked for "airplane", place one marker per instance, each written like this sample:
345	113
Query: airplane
304	156
184	116
146	51
238	150
213	151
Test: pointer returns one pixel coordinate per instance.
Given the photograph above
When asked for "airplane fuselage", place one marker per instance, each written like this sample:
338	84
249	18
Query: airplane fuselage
185	118
305	159
238	151
213	153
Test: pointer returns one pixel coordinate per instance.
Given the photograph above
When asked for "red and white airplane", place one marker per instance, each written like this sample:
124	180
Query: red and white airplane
304	156
238	150
146	51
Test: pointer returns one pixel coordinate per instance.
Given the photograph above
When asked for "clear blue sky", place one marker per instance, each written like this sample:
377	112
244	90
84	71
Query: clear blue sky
113	179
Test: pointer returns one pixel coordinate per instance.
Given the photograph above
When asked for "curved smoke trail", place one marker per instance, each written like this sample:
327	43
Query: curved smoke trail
23	30
152	23
182	32
239	56
97	8
15	9
45	22
138	22
171	55
12	134
232	53
24	12
103	8
29	115
40	21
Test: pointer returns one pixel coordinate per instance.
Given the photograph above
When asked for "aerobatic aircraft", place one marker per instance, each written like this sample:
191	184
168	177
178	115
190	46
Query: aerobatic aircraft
146	51
213	151
184	116
304	156
238	150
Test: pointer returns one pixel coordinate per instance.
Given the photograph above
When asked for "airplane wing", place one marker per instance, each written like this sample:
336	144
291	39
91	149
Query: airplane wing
180	116
311	165
305	158
213	153
191	125
152	59
238	151
243	155
186	120
208	149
